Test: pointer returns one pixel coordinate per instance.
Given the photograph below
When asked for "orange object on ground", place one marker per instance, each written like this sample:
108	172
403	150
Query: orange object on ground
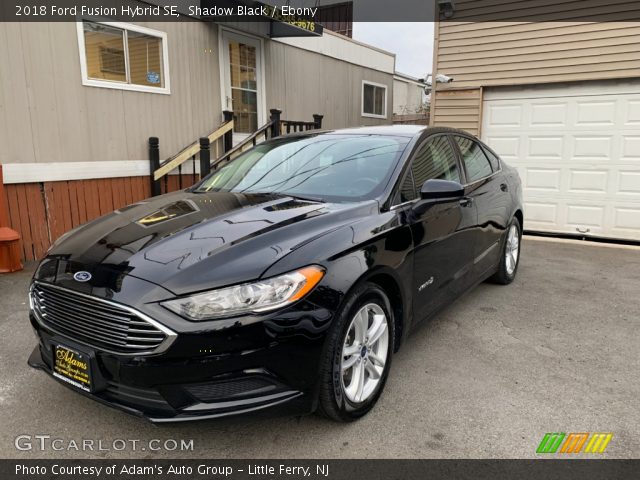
9	239
9	250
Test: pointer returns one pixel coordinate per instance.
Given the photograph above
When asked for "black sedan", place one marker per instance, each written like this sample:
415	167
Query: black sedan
285	280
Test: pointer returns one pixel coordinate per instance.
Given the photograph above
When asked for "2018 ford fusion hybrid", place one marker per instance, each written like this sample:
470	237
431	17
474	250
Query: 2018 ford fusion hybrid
285	280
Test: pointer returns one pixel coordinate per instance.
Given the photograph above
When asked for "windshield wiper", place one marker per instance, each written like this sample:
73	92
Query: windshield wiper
302	197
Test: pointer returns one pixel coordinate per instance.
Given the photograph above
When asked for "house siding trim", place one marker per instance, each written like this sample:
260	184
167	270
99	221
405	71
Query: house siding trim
59	171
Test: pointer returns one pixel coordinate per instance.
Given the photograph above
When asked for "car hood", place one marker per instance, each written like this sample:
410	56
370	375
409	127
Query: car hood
187	241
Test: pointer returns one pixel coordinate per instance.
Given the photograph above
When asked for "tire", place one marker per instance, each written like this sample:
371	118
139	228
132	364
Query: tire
508	266
338	398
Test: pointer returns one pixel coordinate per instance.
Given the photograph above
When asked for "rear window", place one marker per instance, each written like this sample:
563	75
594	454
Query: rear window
493	159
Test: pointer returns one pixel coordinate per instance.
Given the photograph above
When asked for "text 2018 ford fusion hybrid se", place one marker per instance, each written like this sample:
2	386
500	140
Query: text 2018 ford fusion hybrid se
285	280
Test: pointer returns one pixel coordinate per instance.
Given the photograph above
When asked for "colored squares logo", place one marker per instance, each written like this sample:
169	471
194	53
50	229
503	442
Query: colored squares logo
574	443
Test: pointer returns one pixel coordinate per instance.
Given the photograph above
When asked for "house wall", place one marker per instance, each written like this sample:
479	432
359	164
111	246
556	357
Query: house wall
324	75
407	96
301	82
506	53
47	115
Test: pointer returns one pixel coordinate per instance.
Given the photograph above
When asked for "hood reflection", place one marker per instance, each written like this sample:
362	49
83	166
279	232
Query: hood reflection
169	212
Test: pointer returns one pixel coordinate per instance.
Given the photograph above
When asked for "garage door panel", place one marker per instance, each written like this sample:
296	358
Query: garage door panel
547	179
633	113
588	181
540	213
592	147
627	219
546	147
577	149
591	113
549	115
506	115
628	182
631	147
581	216
507	147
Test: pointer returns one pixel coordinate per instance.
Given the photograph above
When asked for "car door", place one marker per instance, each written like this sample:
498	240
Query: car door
490	194
442	229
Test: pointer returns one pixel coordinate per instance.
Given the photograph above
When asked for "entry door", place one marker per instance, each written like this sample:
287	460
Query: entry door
242	78
443	230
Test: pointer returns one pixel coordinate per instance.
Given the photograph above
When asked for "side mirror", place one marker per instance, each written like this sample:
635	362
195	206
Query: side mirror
433	189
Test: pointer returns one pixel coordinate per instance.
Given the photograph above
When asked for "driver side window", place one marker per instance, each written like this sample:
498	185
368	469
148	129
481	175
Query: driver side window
435	159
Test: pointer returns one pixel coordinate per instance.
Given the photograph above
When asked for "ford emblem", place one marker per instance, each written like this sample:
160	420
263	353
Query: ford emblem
82	276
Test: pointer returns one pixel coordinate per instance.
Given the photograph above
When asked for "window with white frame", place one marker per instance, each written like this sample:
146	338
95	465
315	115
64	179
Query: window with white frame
374	100
129	57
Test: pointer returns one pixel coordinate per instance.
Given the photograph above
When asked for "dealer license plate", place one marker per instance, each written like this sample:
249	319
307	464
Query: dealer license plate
72	367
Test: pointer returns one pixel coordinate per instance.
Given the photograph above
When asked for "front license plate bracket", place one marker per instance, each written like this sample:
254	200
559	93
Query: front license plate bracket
72	366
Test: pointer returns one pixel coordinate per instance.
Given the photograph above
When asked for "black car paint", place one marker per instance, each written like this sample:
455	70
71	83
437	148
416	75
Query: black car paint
223	239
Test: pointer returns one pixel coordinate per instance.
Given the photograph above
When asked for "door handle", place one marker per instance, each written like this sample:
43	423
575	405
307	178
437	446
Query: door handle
504	187
466	201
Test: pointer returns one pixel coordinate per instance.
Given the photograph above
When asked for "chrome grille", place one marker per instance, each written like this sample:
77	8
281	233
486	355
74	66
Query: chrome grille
98	323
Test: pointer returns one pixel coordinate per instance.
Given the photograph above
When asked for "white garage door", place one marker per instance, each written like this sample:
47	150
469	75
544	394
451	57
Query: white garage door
577	148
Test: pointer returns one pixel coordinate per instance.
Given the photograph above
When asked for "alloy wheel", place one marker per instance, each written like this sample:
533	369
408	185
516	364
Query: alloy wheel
364	353
512	249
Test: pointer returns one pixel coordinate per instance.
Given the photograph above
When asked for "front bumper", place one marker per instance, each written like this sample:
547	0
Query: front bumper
267	367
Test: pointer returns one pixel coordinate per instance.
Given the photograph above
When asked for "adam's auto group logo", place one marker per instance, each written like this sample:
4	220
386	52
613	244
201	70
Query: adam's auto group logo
573	442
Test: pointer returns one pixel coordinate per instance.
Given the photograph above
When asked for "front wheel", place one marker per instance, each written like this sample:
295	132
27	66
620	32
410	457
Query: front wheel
510	257
358	355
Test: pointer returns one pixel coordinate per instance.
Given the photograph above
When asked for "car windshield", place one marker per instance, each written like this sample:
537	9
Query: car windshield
329	167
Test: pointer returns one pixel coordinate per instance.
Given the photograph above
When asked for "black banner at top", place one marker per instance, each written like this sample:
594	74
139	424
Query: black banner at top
303	13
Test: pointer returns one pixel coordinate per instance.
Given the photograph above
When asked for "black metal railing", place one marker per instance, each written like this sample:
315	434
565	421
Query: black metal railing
197	152
200	151
294	126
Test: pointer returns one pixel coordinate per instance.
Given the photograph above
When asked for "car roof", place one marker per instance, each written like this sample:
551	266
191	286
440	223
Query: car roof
409	131
399	130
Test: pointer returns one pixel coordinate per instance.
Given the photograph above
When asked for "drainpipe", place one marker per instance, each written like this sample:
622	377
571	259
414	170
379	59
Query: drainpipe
9	239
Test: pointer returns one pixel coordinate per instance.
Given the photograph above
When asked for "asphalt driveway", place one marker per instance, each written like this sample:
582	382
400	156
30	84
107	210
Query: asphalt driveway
556	351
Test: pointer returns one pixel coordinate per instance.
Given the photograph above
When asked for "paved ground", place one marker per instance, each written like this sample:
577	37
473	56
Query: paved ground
555	351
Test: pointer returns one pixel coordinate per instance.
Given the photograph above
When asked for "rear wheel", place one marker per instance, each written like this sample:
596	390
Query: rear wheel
358	356
510	258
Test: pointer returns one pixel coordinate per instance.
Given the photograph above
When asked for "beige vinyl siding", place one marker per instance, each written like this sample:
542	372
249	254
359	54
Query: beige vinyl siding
458	109
544	10
495	54
301	82
47	115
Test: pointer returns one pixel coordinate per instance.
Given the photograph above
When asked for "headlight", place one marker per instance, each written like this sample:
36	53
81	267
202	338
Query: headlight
260	296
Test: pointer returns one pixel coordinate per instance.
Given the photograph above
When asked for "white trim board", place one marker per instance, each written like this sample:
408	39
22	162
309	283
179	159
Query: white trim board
60	171
563	90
